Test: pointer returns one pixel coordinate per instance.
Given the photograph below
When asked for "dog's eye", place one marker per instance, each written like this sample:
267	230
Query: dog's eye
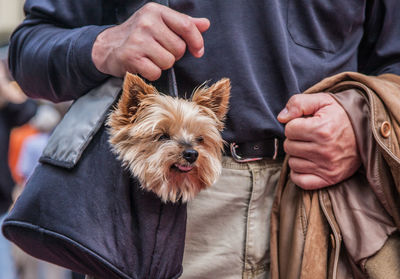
164	136
200	139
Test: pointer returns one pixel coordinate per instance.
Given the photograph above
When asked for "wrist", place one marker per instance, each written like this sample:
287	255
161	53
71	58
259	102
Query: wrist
81	56
102	50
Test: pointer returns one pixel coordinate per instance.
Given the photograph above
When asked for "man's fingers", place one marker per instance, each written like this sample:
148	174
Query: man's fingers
308	181
170	41
303	105
302	129
186	28
151	40
300	149
160	56
307	166
201	23
147	69
301	165
320	141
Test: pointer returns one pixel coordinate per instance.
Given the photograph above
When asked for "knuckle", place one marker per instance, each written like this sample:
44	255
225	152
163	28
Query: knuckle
289	130
187	25
286	147
168	63
146	24
324	132
171	61
150	7
180	49
126	58
133	61
295	104
291	163
137	41
295	100
153	74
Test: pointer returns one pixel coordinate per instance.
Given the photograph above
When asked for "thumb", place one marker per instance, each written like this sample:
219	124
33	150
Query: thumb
202	23
303	105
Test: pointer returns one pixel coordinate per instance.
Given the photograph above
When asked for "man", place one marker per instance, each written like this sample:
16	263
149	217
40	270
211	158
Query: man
270	50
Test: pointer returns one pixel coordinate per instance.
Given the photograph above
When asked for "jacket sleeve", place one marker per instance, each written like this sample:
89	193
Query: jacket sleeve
379	51
50	52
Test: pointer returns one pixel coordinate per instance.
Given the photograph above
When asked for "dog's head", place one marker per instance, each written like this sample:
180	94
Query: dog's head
173	146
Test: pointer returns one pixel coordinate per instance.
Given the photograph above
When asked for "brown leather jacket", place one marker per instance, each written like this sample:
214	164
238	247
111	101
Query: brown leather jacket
350	230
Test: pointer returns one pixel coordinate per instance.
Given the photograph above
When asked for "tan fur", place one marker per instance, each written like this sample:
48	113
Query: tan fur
143	115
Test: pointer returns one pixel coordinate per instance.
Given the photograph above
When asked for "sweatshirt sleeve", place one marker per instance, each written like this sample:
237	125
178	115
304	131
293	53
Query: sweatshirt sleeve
379	51
50	52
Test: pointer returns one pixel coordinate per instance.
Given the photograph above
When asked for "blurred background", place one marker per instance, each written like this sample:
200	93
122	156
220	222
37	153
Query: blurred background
11	14
25	126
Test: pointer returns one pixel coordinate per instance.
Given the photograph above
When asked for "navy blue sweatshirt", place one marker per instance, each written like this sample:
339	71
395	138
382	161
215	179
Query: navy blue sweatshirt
269	49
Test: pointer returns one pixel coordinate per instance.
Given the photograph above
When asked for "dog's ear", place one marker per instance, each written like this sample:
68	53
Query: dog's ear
134	90
215	97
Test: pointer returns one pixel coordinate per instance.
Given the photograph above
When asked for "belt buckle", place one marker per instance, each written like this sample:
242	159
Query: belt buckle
233	146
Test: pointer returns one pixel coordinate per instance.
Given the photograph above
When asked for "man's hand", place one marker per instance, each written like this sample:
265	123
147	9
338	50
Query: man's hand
151	40
320	141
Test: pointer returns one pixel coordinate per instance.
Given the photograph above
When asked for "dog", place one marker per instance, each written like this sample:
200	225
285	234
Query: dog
173	146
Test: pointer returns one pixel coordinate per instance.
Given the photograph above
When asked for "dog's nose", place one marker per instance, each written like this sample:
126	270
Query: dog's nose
190	155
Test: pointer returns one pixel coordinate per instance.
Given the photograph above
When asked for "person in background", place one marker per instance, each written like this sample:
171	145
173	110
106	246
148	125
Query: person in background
15	110
17	138
45	120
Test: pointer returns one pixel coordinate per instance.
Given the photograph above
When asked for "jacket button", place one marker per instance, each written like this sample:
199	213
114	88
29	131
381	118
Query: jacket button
385	129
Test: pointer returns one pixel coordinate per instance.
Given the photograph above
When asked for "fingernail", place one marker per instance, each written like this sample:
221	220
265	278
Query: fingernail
284	113
200	52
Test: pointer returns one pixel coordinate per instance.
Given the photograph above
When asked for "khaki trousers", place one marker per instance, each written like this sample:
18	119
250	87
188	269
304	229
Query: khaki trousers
228	224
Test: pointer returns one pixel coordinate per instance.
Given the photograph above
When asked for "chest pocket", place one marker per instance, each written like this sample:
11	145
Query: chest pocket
323	24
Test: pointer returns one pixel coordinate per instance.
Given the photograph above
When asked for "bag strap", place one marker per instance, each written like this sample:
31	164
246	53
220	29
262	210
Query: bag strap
172	86
80	124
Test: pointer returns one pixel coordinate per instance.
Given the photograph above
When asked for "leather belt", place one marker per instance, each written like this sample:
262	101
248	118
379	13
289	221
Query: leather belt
257	150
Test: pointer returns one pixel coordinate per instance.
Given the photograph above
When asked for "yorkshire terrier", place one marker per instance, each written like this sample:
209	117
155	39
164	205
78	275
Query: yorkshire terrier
172	145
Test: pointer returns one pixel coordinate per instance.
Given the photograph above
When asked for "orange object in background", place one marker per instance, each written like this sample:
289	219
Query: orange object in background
17	138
